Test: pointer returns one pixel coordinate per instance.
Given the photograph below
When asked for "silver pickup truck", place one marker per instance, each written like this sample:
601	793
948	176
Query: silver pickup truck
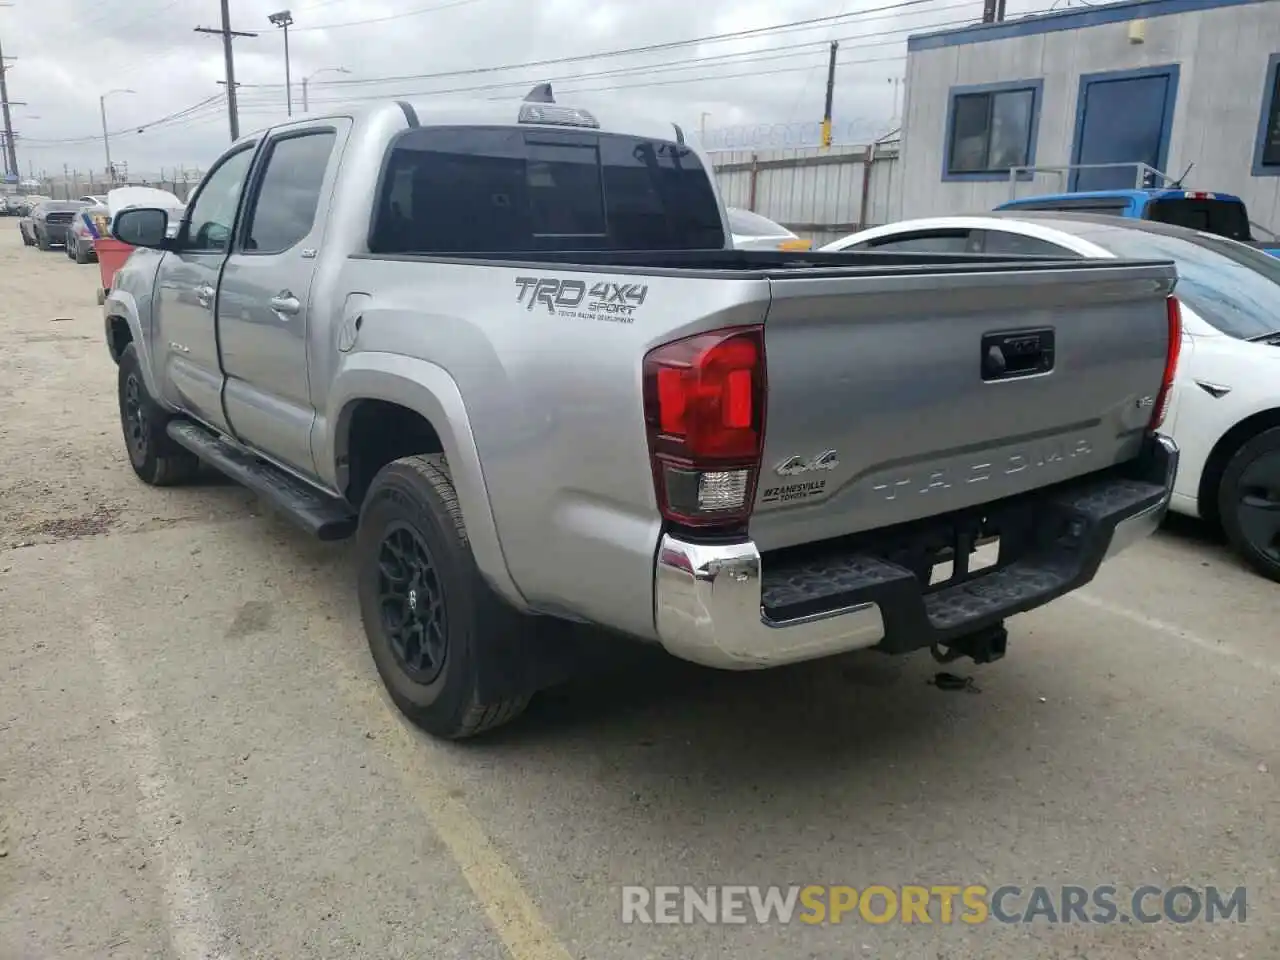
508	348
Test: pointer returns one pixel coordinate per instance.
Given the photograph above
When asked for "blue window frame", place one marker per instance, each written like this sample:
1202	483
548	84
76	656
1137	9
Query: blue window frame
991	127
1266	149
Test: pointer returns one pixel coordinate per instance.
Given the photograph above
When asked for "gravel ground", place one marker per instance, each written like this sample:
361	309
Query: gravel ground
197	760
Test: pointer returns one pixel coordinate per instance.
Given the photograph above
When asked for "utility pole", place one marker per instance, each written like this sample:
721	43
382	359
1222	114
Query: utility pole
992	11
831	93
227	36
10	154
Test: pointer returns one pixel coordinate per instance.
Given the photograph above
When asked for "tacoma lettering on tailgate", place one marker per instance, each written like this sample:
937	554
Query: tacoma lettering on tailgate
1030	458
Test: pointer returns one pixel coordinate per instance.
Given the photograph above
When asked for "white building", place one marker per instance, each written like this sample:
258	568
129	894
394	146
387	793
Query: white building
1168	83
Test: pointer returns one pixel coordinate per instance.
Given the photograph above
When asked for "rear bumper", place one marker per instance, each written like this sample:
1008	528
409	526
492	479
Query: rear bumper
726	606
55	232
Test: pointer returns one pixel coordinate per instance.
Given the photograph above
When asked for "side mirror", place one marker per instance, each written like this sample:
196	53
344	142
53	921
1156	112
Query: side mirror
142	227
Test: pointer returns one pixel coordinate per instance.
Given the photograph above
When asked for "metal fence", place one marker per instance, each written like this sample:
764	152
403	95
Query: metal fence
178	181
820	194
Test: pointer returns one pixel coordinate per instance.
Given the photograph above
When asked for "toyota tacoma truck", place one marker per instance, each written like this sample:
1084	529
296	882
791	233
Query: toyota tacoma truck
509	349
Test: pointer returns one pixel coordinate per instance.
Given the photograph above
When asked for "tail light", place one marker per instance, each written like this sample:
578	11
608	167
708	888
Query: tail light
1170	364
704	411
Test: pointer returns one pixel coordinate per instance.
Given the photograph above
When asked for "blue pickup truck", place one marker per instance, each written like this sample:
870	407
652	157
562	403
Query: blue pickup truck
1219	213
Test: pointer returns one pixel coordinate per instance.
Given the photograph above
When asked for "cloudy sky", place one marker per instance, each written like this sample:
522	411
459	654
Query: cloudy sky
770	69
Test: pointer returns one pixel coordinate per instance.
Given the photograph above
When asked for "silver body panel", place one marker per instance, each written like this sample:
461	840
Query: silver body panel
539	410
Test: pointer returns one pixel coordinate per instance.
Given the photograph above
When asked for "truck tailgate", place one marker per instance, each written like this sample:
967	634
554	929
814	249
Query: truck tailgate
892	398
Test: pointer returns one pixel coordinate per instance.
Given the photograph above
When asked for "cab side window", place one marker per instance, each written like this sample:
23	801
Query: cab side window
213	214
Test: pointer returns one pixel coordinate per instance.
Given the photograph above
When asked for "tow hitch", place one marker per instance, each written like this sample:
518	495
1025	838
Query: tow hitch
981	646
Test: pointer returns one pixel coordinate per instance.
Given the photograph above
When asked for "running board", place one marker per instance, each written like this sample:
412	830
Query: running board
322	516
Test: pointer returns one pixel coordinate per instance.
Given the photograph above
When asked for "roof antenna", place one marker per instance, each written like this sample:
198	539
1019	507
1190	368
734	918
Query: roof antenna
540	94
1177	184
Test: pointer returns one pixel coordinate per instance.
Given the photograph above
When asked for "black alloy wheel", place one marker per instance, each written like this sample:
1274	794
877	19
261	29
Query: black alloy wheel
136	426
411	599
1249	502
1258	505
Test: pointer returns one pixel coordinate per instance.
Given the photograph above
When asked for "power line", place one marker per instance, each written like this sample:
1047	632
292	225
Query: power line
394	16
647	48
202	110
786	51
263	107
167	119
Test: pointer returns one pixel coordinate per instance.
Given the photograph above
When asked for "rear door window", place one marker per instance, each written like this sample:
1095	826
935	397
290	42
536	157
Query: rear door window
1226	218
937	241
1015	244
487	190
288	194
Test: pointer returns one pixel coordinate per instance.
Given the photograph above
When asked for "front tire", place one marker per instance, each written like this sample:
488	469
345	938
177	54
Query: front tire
1249	502
431	620
154	456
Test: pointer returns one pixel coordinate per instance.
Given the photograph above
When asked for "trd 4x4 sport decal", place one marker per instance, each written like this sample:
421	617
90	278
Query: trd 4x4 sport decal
609	301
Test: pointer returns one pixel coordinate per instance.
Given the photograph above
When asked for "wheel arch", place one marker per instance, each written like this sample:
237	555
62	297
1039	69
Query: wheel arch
416	408
1227	445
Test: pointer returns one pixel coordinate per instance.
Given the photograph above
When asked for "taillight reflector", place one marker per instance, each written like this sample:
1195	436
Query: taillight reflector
704	412
1174	313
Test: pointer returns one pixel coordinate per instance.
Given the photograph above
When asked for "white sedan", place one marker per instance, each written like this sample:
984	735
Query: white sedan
754	232
1225	412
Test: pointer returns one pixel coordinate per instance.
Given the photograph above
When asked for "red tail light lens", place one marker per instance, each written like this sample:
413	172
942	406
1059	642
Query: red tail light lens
704	410
1170	364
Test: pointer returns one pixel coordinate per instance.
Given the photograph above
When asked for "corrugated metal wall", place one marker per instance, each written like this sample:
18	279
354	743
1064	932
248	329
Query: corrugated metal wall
817	193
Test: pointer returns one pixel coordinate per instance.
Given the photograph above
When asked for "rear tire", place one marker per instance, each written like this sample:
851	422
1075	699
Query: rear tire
431	619
1249	502
153	454
81	256
42	241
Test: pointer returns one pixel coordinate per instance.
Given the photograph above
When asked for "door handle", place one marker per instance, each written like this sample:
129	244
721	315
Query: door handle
285	302
204	293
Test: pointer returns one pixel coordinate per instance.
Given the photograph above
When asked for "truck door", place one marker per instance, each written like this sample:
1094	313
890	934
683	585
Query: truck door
266	284
185	339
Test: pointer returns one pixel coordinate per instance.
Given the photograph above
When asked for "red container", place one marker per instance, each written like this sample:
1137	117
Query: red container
111	257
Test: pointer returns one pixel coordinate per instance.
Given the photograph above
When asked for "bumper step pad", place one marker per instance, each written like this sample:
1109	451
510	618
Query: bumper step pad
1073	531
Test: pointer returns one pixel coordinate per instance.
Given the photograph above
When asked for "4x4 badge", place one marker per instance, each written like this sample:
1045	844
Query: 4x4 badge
794	466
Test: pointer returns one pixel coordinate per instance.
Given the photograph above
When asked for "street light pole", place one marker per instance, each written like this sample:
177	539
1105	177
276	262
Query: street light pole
307	79
284	19
106	137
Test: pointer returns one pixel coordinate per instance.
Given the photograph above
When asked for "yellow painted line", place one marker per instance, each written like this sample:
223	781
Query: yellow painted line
510	909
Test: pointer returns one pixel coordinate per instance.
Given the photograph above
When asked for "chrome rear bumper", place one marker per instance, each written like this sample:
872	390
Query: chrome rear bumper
713	601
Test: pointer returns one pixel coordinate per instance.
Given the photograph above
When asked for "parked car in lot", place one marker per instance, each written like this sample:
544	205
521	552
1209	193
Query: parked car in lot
754	232
90	222
509	348
1212	212
47	224
1225	415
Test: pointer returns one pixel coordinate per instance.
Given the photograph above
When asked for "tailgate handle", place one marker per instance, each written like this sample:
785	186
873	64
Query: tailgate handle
1019	353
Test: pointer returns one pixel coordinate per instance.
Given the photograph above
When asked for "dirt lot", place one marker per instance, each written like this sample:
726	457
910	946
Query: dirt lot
197	761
